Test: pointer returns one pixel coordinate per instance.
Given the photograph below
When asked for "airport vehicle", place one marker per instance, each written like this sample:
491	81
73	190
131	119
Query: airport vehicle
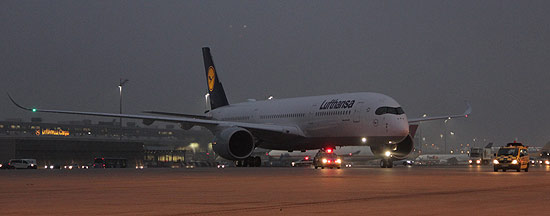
23	164
512	156
545	158
479	156
189	165
306	161
327	158
304	123
52	166
71	166
5	165
110	163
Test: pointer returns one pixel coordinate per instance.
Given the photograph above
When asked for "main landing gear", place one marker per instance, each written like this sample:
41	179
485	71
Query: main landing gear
386	163
249	162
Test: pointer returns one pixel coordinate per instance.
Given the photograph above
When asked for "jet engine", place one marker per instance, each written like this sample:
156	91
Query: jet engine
233	143
397	151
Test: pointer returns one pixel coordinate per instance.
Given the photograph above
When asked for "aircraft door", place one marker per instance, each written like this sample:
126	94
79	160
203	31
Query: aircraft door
357	112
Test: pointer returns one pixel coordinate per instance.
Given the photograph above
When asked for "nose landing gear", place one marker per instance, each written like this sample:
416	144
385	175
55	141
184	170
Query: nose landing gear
386	163
249	162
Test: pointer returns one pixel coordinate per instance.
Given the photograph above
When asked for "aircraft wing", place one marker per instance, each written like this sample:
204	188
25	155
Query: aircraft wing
179	114
464	115
260	130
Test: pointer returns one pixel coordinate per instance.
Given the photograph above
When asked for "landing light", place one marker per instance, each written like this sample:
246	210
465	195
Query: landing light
515	162
324	160
388	153
364	139
547	162
495	161
338	161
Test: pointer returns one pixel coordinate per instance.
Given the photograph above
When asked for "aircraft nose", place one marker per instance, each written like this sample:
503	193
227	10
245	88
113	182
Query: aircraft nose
402	127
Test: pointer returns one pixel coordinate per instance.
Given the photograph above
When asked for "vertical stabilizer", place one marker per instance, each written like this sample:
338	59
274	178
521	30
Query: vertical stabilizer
215	88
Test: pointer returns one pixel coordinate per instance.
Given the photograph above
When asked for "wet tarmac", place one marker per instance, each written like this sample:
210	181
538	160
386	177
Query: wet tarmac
275	191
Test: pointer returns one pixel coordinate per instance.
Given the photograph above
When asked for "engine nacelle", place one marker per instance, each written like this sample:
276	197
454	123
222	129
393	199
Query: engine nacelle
233	143
398	151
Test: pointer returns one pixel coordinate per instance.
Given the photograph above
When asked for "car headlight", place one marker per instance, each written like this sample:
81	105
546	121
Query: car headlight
495	161
338	161
324	160
51	166
515	162
478	161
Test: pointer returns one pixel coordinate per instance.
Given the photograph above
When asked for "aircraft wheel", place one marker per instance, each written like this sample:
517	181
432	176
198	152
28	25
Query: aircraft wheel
495	169
341	167
257	161
322	167
527	169
316	167
389	163
518	170
382	163
503	170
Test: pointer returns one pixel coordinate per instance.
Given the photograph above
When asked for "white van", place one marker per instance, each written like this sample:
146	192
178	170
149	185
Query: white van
23	164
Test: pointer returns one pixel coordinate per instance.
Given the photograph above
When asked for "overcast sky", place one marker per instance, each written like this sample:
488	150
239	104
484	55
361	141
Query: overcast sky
430	56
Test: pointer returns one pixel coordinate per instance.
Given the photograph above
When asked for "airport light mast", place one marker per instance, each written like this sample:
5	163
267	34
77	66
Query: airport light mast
122	82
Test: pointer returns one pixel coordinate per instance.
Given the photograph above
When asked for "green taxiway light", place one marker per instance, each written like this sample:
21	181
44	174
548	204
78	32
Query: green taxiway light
33	109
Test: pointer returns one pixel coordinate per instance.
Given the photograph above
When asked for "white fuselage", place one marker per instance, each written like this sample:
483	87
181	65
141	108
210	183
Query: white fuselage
329	120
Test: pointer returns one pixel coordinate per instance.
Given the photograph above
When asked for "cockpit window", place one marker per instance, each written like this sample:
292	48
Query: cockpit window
389	110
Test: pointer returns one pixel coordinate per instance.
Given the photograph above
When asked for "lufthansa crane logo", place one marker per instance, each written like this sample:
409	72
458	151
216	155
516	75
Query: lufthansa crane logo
211	78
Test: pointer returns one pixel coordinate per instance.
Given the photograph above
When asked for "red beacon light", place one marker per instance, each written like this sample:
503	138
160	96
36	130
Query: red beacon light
329	150
306	158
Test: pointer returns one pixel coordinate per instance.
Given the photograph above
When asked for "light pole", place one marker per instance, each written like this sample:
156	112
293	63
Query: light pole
122	82
445	136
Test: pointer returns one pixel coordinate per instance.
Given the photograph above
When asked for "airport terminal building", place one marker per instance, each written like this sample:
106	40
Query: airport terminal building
79	142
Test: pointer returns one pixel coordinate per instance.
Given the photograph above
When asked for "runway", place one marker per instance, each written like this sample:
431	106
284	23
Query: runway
275	191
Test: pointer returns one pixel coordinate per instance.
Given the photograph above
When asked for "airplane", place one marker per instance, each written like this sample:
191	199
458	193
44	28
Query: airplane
442	159
302	123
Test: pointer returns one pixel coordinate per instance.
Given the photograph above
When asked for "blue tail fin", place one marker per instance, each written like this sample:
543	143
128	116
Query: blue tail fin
215	87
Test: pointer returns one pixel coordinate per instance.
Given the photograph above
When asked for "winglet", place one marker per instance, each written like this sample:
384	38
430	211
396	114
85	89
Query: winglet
16	104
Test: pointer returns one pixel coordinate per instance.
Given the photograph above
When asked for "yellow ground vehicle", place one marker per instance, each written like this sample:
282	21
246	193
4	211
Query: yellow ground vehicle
513	156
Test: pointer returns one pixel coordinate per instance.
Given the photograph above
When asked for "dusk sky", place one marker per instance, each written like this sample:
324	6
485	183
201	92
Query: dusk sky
430	56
